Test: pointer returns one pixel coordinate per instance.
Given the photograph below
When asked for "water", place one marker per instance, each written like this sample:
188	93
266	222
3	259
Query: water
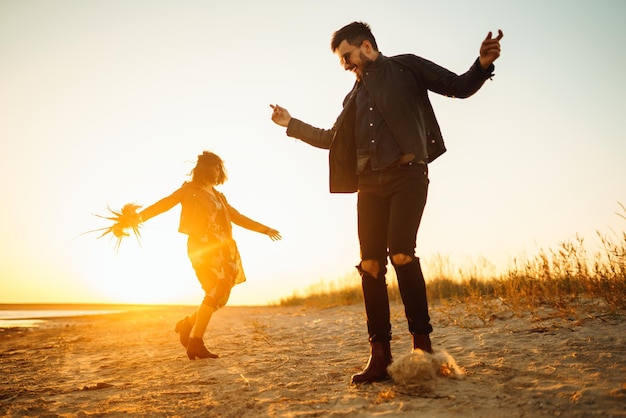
20	323
32	318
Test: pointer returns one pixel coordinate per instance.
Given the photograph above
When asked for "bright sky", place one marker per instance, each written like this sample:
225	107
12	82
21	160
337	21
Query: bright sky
108	102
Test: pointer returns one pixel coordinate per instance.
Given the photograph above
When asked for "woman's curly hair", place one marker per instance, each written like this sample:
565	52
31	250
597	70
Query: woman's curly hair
204	172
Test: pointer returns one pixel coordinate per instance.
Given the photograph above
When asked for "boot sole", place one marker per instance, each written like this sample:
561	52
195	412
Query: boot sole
372	380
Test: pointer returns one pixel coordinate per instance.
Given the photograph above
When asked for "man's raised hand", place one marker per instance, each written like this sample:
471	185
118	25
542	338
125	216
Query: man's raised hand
280	115
490	49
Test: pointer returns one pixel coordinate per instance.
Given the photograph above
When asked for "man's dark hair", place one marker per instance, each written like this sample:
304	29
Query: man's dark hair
354	33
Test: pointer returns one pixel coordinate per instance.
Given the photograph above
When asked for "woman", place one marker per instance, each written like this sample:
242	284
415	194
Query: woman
206	217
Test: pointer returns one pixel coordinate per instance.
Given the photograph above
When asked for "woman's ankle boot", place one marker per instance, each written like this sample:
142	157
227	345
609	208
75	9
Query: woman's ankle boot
183	327
376	369
196	349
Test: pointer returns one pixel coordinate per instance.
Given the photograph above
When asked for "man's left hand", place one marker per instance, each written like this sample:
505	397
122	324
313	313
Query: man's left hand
490	49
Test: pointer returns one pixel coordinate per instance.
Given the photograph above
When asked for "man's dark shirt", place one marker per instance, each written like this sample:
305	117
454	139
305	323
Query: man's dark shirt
375	143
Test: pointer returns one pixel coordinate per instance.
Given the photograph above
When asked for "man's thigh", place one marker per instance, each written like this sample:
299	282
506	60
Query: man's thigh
373	221
405	213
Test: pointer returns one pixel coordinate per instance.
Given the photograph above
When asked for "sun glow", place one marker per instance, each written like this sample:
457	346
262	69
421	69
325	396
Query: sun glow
156	272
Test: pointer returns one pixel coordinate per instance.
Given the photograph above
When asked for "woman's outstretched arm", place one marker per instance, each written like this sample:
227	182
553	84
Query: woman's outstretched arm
161	206
252	225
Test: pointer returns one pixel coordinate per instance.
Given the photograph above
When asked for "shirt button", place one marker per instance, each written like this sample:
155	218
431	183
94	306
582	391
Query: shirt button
373	140
371	124
371	108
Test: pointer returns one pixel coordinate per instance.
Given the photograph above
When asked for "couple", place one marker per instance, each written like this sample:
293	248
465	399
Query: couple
380	147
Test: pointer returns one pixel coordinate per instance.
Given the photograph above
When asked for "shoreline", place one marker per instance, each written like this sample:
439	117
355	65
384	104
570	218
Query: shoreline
80	306
33	315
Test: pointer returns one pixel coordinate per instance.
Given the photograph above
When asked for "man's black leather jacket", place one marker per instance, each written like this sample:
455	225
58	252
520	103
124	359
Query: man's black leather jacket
399	86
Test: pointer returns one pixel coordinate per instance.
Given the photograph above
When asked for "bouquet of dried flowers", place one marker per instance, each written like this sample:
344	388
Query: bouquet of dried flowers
123	221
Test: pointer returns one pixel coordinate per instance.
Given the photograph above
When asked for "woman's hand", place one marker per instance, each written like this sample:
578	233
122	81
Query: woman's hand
273	234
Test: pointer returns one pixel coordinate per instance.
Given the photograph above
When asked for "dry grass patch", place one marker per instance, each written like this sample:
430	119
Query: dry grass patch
567	281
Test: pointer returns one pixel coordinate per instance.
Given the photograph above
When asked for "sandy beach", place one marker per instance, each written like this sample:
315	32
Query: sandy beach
297	362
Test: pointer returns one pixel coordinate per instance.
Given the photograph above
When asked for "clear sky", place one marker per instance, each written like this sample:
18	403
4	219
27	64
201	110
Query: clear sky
108	102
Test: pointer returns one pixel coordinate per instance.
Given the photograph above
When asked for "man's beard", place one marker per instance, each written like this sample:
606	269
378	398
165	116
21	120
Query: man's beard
365	63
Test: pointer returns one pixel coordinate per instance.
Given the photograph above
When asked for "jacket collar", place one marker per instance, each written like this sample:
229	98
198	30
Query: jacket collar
378	62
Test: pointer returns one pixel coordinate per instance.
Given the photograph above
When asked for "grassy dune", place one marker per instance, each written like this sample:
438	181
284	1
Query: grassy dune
563	281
